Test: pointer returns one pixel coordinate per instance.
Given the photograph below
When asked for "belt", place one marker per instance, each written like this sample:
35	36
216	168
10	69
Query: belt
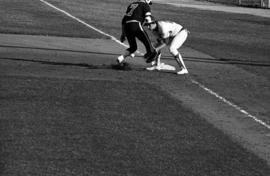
132	21
184	29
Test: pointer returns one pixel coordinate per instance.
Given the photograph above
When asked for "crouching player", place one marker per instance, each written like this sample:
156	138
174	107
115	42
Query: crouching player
170	34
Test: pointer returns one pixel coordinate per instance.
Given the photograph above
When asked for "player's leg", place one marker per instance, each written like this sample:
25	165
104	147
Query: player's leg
144	38
180	61
156	64
176	43
132	44
126	54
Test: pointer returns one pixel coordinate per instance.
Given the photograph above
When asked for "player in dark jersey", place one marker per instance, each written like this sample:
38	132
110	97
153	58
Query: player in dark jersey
137	12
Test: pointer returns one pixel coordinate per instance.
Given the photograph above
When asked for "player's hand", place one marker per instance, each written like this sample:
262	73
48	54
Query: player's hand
122	38
159	40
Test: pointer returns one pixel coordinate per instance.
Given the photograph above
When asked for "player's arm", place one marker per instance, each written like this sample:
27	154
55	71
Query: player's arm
147	13
165	39
160	44
162	41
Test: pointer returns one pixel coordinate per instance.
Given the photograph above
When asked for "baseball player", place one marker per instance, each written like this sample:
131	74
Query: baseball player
170	34
137	12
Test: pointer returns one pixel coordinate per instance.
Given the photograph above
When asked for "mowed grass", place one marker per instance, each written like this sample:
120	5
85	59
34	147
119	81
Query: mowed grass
33	17
70	127
231	2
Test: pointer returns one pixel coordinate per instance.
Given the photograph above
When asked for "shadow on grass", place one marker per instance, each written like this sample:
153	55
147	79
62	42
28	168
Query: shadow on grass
124	67
191	59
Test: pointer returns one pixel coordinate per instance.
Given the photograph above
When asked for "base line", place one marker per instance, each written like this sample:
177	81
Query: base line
193	81
84	23
231	104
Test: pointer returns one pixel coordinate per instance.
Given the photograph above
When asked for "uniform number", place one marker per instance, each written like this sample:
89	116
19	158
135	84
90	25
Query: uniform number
131	10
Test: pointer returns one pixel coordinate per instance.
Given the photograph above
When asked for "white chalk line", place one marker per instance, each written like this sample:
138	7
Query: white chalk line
231	104
193	81
84	23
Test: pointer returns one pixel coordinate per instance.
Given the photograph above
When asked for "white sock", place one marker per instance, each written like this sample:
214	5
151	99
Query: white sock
121	58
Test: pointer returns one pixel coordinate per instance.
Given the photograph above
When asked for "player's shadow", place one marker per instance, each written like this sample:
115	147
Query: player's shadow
188	58
124	67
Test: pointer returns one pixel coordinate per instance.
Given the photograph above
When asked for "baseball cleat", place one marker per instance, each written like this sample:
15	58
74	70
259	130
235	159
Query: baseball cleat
152	57
182	72
161	66
147	55
151	68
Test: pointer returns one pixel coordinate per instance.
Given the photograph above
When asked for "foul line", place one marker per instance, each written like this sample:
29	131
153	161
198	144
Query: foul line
84	23
231	104
193	81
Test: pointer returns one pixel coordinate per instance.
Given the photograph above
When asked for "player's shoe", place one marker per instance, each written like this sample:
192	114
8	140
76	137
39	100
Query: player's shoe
154	66
120	59
182	72
147	55
151	68
161	66
152	57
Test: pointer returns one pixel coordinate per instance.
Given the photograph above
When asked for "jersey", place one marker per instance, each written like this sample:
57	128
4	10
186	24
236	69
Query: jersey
167	29
137	11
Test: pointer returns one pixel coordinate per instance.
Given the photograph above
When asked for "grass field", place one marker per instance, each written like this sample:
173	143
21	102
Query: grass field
65	111
231	2
53	128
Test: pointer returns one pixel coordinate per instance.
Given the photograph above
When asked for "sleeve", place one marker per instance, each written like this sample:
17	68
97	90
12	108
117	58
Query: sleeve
164	35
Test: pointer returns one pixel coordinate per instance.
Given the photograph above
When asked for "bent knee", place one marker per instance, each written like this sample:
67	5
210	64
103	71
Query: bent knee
173	51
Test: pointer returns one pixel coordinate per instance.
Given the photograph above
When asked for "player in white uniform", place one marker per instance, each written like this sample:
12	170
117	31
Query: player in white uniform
171	34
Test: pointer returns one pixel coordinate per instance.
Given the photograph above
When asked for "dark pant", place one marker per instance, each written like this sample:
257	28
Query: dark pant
134	30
